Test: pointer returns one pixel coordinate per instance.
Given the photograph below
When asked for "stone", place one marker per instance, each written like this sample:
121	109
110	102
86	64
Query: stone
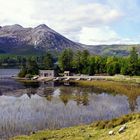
122	129
111	132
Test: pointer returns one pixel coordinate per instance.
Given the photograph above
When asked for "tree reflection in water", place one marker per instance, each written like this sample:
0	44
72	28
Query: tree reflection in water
52	106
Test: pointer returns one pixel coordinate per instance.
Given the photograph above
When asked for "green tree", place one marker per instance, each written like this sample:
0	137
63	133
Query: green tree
92	65
32	67
124	66
48	61
112	66
85	61
77	62
22	72
133	62
66	60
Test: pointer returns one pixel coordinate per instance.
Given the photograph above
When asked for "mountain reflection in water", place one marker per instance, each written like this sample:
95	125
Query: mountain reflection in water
30	107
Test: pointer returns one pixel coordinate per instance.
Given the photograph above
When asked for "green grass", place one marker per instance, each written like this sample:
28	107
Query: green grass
131	90
126	79
95	131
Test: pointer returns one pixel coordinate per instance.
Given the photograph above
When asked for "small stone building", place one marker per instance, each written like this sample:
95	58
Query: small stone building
66	73
47	73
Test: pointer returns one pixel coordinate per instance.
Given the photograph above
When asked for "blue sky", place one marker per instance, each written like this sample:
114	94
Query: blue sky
84	21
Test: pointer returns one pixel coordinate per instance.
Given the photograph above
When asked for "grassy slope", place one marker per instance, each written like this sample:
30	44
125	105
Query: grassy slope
96	131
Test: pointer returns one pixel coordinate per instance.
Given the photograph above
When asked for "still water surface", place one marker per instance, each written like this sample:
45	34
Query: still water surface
26	108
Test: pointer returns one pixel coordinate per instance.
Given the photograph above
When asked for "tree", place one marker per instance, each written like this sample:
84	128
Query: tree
97	64
85	61
92	65
113	66
77	62
124	66
32	67
48	61
22	72
66	59
133	62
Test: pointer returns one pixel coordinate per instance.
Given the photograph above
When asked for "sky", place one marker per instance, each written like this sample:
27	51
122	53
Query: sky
89	22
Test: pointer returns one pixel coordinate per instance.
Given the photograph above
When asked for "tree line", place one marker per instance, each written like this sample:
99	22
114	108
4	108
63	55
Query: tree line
80	62
84	63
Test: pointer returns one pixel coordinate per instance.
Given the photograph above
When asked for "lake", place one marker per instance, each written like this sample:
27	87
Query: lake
30	107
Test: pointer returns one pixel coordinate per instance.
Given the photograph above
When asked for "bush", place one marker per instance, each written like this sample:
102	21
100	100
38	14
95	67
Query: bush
22	73
28	76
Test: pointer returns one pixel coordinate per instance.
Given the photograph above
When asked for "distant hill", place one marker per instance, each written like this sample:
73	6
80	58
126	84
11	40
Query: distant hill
15	39
117	50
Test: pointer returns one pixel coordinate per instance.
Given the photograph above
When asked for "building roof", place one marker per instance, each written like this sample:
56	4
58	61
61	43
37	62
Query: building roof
46	70
66	71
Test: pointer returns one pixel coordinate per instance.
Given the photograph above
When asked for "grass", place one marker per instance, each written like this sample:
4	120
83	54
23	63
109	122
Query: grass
126	79
131	90
96	131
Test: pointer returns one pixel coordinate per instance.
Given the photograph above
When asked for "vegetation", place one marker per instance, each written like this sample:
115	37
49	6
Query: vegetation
97	131
114	87
84	63
80	62
31	68
65	60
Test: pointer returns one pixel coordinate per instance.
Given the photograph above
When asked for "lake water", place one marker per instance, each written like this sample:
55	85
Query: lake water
26	108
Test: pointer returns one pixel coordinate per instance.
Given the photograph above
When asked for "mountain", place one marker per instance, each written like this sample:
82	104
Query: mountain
112	50
15	39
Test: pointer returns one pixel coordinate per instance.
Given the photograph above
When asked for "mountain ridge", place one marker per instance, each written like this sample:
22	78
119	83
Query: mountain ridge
41	38
15	39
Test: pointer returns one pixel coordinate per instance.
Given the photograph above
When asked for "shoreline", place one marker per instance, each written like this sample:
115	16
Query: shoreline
116	78
98	130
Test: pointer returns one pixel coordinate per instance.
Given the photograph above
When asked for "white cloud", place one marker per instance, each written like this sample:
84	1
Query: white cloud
15	11
103	35
79	20
70	17
97	35
67	17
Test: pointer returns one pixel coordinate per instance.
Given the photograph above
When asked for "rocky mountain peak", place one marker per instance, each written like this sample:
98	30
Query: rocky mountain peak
40	38
12	27
42	27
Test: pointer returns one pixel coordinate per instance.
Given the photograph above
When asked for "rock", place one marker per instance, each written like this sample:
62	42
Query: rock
89	136
33	132
44	139
122	129
82	130
111	132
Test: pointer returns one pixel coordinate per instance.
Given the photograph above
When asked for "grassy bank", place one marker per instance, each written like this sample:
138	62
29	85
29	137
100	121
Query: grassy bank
97	131
131	90
126	79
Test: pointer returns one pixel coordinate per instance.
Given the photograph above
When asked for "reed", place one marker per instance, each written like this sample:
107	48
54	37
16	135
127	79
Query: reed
131	90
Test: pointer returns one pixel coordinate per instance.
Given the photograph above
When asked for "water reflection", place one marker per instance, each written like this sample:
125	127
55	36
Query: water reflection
31	107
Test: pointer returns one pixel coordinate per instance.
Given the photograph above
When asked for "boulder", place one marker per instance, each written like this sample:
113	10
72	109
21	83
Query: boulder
122	129
111	132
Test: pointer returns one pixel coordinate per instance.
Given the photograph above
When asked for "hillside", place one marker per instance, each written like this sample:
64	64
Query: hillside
117	50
